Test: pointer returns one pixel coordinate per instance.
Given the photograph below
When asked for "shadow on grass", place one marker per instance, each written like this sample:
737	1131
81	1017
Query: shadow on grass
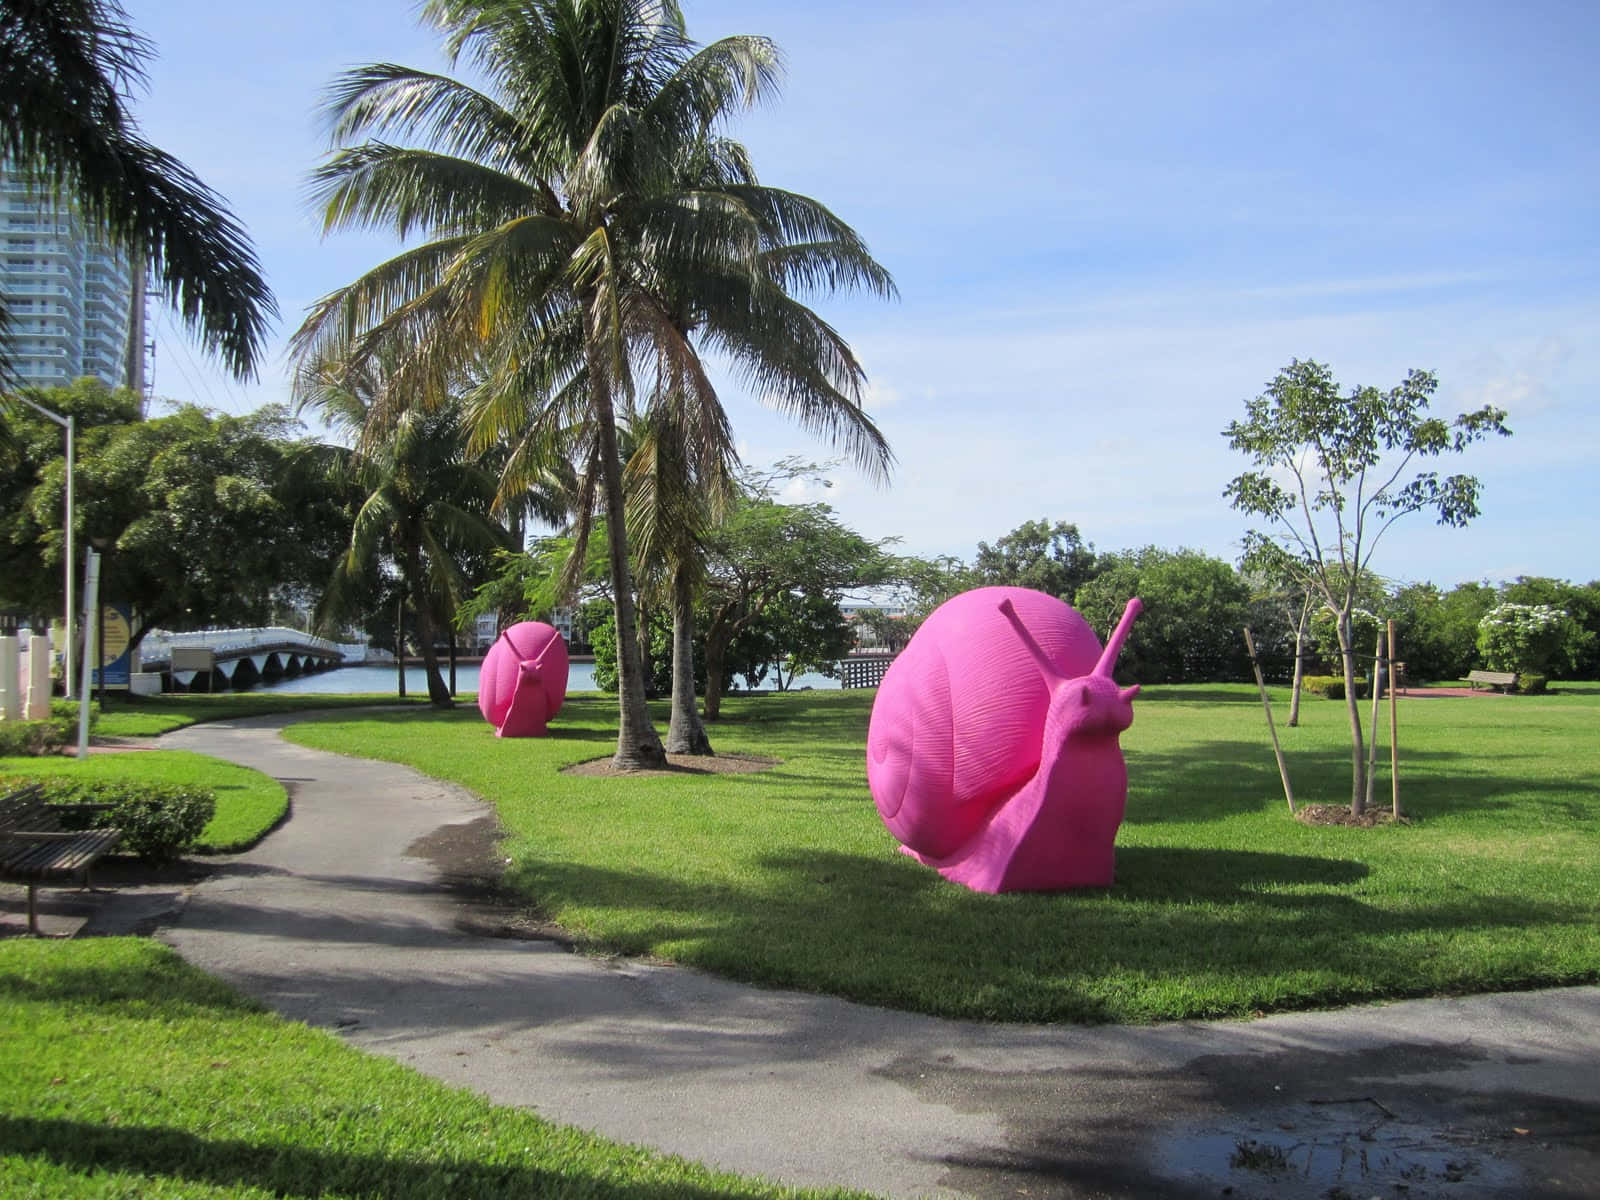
1216	779
1245	929
291	1170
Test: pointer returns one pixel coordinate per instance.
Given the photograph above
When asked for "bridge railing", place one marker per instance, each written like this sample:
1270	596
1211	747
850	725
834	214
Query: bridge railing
158	643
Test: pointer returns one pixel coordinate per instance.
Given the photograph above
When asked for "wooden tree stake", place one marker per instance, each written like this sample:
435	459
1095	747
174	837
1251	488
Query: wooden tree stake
1394	731
1261	684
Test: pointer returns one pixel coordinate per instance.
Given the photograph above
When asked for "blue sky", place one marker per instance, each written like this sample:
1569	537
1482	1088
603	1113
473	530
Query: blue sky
1110	225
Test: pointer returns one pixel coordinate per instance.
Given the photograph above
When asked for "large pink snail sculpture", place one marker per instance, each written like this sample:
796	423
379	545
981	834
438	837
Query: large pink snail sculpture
992	753
523	679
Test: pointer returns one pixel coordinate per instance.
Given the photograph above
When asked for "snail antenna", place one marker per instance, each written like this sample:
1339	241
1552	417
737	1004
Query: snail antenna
1108	656
1047	668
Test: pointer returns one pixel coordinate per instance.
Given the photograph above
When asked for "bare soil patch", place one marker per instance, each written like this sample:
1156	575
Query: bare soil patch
682	764
1339	814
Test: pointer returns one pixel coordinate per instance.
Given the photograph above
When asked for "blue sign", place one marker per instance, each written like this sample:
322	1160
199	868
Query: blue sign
115	655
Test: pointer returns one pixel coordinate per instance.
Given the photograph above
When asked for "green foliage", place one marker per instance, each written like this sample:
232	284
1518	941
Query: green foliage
59	729
1579	654
1436	633
210	518
158	821
1195	610
1348	457
1531	684
248	803
1331	686
766	552
1523	637
1053	559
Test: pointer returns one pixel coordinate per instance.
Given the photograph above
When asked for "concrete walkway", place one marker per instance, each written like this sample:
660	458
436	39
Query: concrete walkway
340	918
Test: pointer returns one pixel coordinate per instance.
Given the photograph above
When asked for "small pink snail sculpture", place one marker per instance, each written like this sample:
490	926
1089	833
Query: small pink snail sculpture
523	679
992	752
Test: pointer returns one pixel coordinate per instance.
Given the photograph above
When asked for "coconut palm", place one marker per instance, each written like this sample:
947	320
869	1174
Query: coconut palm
65	69
424	501
563	247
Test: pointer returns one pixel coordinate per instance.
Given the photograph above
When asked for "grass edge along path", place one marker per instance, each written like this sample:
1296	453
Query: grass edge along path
151	716
1223	905
249	803
131	1074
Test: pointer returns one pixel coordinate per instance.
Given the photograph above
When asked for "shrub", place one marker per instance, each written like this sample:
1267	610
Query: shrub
1530	684
158	821
32	738
1331	686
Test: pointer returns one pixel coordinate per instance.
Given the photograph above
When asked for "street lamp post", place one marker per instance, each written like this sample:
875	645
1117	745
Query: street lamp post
68	423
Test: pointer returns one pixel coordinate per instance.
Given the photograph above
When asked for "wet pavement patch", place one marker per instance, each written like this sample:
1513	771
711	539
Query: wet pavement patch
1282	1125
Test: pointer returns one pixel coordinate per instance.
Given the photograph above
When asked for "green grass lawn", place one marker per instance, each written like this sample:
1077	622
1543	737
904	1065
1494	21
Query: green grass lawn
1223	905
131	1076
248	802
151	716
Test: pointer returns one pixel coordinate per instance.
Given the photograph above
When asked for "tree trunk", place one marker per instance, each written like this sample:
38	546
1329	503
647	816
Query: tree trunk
638	745
716	654
1299	662
438	693
687	733
1358	759
647	660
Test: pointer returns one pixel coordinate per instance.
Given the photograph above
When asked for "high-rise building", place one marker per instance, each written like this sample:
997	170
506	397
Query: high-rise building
70	296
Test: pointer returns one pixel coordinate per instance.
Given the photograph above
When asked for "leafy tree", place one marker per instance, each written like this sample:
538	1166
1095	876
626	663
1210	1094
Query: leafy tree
1578	656
765	553
1048	558
1436	632
208	518
1330	477
1524	638
565	249
66	69
1195	608
796	635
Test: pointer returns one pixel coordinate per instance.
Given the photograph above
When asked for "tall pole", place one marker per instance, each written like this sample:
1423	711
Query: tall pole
66	663
68	423
91	600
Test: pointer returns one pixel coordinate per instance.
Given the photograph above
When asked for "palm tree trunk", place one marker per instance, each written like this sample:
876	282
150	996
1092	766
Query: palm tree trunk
638	745
687	733
645	616
438	693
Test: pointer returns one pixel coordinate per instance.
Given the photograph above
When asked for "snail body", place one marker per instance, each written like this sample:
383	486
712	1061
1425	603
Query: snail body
992	752
523	680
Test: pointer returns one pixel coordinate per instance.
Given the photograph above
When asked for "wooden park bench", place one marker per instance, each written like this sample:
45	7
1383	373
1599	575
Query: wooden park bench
35	848
1499	680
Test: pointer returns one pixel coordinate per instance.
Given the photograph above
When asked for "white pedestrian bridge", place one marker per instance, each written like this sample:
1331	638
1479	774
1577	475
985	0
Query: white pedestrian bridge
207	658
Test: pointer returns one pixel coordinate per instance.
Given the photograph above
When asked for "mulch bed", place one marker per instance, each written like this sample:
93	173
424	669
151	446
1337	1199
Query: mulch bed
1339	814
682	764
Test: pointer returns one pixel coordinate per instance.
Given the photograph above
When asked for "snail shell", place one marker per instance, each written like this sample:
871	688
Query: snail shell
528	655
957	726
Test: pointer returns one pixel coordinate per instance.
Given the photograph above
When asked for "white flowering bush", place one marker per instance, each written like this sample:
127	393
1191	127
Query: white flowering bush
1525	638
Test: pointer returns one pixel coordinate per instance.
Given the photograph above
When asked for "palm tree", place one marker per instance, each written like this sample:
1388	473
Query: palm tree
563	243
424	501
65	67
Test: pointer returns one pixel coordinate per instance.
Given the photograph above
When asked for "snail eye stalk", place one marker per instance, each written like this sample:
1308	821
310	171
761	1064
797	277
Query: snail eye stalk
1046	667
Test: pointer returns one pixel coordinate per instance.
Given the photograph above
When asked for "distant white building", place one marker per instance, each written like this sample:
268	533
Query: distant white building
488	627
70	296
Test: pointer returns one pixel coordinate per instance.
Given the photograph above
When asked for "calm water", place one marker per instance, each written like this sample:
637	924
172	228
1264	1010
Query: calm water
347	680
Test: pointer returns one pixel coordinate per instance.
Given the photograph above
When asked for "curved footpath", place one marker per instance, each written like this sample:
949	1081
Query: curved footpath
340	919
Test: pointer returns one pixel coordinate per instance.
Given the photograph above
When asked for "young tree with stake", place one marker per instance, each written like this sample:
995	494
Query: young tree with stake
1331	476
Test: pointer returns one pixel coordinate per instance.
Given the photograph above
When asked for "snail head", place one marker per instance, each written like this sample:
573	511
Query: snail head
1091	703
